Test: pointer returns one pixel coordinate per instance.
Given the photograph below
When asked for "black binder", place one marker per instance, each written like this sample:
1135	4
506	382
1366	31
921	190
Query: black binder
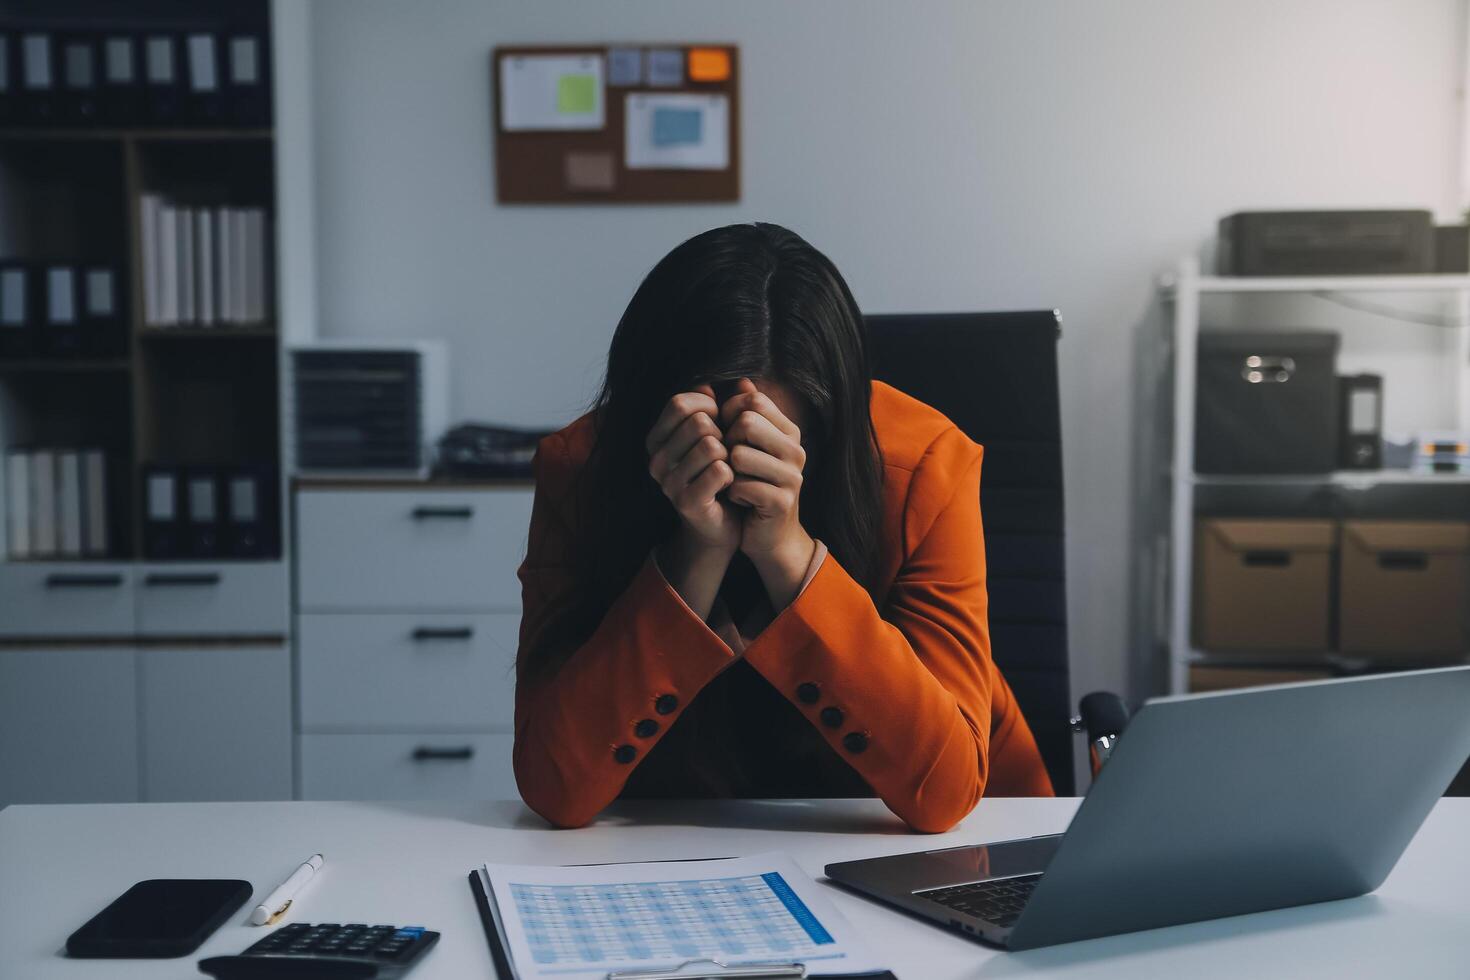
17	310
204	80
78	72
163	505
62	333
37	77
121	86
247	76
251	519
103	324
163	79
202	512
502	961
9	60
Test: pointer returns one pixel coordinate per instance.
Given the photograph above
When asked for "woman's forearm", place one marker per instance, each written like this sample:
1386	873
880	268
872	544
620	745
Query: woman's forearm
695	571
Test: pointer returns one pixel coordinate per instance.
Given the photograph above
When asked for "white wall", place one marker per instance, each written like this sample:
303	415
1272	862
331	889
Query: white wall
957	155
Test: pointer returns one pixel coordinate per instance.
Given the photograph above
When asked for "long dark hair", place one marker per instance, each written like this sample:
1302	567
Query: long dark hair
743	301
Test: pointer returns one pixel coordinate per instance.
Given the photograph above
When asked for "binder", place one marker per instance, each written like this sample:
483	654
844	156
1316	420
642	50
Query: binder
69	504
43	503
168	265
94	504
206	106
185	233
248	80
162	528
204	288
37	80
150	219
163	79
202	513
121	86
18	503
79	72
250	524
17	329
502	961
62	332
102	318
7	79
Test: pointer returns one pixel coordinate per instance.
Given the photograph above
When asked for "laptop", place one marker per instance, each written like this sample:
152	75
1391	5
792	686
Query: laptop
1211	805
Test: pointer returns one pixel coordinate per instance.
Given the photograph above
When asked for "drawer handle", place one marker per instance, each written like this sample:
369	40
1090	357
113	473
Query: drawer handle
1403	561
182	578
426	753
443	633
443	513
103	581
1267	559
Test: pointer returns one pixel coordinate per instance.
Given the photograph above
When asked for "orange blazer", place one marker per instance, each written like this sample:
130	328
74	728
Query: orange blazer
929	722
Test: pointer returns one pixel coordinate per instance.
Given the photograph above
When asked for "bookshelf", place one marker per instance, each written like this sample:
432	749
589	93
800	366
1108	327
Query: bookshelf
184	396
1387	494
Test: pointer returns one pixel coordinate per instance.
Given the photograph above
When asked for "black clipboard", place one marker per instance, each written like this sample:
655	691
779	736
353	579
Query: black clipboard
502	961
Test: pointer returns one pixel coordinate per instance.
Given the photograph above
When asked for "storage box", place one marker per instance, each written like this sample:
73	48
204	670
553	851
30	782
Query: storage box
1262	585
1405	588
1266	403
1204	678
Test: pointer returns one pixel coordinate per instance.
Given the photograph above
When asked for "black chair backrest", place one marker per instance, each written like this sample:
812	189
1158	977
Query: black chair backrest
995	376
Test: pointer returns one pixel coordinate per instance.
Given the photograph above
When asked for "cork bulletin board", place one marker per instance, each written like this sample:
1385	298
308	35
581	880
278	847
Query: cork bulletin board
616	123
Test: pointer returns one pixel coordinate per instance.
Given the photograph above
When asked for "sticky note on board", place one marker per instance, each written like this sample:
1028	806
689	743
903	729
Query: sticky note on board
665	66
576	94
709	65
624	66
673	126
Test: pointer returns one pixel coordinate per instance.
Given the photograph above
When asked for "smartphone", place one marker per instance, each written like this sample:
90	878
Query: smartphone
160	917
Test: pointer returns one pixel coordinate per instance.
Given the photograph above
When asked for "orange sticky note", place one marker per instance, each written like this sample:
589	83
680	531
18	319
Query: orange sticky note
709	64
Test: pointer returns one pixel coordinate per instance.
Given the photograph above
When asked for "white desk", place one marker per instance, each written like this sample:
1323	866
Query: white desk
405	864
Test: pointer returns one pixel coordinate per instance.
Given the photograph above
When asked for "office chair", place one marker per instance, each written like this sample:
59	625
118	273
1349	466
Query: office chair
995	376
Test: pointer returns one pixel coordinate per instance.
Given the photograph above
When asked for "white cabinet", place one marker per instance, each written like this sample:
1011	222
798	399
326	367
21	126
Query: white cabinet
407	671
71	599
68	725
412	549
216	722
443	766
212	599
407	615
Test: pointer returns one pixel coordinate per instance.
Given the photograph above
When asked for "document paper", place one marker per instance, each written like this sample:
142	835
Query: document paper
586	921
551	92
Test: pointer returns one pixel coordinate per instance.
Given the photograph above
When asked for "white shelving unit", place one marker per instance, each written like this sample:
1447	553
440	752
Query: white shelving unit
1182	291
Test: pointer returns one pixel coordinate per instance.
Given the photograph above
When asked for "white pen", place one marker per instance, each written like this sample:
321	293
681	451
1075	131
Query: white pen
278	901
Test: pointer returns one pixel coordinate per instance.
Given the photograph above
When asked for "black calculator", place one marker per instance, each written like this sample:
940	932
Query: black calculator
328	951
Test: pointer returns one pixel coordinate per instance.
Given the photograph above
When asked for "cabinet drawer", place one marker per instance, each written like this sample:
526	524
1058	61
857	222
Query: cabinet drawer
212	599
66	599
68	725
368	671
216	723
407	767
423	549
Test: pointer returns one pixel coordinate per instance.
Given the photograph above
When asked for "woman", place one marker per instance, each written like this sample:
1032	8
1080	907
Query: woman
753	572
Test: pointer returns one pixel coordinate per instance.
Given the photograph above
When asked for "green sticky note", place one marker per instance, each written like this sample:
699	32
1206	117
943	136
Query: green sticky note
576	94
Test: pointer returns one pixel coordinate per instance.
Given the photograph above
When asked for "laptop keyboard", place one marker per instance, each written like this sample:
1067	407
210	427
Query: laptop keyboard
999	900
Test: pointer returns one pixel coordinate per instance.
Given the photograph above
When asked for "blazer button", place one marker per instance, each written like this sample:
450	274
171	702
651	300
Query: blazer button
855	742
808	693
647	728
832	716
625	754
665	704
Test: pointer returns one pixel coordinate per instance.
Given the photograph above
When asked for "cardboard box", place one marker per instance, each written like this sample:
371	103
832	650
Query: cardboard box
1262	585
1219	678
1405	588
